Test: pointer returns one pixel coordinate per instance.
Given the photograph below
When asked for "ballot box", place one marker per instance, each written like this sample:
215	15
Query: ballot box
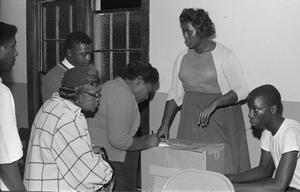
159	163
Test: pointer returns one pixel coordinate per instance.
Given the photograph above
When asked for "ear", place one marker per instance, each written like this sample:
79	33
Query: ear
139	80
2	48
273	109
69	52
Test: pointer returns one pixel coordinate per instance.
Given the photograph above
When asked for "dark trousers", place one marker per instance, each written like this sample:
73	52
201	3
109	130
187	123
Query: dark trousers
126	173
290	189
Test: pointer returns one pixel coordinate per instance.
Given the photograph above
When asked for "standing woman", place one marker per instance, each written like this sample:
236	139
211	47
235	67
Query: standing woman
207	84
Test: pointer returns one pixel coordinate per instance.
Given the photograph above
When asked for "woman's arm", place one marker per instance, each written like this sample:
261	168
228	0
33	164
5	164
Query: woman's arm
174	98
224	100
170	111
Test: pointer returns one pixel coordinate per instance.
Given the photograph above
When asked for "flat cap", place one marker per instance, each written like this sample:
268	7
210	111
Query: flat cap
80	75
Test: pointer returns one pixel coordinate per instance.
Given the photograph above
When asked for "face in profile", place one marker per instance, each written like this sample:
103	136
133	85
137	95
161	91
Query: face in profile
8	55
259	113
89	98
191	38
80	54
142	90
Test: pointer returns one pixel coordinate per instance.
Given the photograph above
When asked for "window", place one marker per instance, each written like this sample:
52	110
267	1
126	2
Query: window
117	40
118	35
58	21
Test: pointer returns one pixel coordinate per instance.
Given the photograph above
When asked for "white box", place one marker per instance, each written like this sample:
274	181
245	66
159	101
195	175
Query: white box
159	163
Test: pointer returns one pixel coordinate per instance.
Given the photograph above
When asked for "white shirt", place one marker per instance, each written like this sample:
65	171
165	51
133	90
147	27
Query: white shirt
67	64
285	140
10	143
229	75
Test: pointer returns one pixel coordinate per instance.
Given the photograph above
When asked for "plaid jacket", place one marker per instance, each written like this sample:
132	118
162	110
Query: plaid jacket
60	156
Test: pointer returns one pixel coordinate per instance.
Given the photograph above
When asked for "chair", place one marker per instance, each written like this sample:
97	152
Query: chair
197	180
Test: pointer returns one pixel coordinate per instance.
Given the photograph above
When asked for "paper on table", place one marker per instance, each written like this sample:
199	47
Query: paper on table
183	144
163	143
176	144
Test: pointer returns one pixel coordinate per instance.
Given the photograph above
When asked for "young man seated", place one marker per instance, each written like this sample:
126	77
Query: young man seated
280	144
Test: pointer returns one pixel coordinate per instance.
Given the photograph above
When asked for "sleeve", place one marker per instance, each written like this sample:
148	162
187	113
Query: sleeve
120	113
10	143
50	84
291	140
176	90
264	141
234	75
81	168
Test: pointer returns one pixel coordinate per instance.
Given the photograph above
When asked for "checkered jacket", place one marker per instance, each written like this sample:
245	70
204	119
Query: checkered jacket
60	156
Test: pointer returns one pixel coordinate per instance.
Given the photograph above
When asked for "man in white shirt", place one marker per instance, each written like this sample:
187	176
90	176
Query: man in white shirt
10	144
78	50
280	145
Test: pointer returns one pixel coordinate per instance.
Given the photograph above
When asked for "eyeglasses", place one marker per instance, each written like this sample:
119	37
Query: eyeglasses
96	95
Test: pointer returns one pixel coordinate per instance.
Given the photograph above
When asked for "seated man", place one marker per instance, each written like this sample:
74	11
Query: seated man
60	155
280	145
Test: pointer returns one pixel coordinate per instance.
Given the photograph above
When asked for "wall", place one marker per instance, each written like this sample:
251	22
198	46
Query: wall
14	12
263	34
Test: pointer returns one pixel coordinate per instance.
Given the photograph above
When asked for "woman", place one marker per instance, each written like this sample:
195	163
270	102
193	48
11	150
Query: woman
207	84
118	120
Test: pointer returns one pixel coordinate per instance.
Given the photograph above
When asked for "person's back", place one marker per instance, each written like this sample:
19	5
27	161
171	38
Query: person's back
118	119
78	50
51	81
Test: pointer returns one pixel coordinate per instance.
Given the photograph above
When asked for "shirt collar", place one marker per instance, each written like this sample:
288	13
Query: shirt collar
69	104
124	84
67	64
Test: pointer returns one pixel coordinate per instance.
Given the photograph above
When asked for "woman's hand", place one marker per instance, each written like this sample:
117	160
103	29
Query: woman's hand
152	140
163	132
205	114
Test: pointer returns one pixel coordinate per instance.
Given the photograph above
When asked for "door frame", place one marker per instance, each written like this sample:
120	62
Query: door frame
33	23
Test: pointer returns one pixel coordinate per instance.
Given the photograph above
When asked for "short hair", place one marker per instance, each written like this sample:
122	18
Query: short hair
7	32
200	20
134	69
270	94
77	37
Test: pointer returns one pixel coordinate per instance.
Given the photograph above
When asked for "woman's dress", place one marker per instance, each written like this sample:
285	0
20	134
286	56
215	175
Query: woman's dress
226	125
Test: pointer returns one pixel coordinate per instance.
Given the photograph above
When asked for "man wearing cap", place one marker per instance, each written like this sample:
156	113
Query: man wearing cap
78	50
60	155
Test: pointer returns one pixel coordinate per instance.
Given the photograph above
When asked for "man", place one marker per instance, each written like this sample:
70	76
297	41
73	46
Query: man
10	144
280	145
78	50
60	155
118	119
